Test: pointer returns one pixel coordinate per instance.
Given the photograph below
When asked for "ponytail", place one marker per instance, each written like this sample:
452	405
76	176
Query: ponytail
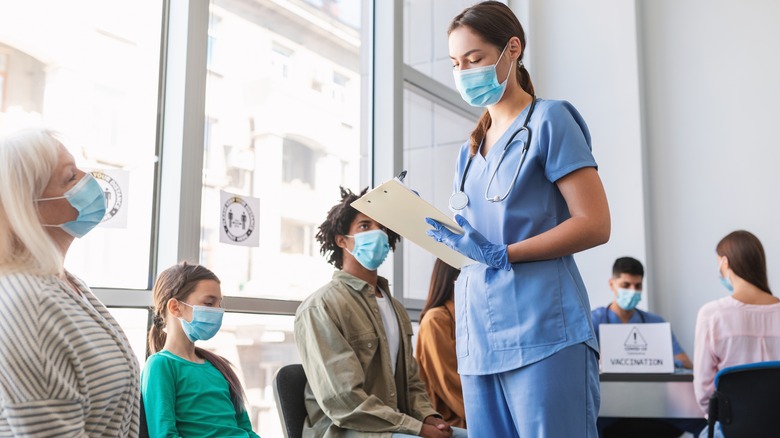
523	77
157	335
479	132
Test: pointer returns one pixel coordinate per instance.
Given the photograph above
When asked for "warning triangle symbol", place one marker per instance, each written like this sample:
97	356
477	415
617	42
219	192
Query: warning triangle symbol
635	339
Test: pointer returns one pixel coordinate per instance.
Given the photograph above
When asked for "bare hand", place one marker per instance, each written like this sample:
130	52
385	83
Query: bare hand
431	431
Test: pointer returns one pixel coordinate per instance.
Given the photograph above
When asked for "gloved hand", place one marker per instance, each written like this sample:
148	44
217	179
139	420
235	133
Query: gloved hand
471	243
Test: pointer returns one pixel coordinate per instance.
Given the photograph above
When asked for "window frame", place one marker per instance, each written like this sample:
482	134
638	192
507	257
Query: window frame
184	69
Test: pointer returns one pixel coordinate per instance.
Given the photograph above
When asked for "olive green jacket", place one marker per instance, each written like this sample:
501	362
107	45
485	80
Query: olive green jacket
351	390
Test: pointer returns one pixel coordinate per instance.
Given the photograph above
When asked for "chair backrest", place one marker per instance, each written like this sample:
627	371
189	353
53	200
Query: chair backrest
289	385
746	401
143	428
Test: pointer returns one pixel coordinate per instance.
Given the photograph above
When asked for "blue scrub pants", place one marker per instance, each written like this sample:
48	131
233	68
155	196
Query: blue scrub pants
557	397
456	433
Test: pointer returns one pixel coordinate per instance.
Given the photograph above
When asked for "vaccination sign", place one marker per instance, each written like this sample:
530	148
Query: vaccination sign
238	219
636	348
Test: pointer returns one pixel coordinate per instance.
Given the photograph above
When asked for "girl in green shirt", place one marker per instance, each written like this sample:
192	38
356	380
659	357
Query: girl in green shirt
188	391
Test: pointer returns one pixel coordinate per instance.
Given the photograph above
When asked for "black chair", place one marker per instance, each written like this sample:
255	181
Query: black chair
289	384
746	401
144	429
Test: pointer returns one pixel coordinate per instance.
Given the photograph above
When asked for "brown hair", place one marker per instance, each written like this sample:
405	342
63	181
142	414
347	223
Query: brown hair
746	257
178	282
496	24
337	223
442	286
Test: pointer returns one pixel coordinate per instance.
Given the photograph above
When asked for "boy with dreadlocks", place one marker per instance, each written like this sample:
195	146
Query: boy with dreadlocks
354	340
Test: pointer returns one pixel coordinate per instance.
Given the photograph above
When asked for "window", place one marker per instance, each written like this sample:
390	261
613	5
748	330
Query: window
281	59
436	123
433	136
257	346
425	40
298	163
211	47
105	106
134	324
340	83
279	140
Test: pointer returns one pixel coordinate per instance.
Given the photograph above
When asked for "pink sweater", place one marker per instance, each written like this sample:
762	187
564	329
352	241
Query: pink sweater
728	333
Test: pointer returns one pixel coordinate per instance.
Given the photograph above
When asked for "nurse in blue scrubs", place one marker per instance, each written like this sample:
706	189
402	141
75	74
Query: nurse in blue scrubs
528	196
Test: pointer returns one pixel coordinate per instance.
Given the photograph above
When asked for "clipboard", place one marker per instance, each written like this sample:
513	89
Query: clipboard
395	206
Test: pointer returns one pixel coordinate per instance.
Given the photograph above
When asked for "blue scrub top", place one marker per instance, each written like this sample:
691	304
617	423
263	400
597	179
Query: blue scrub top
602	315
509	319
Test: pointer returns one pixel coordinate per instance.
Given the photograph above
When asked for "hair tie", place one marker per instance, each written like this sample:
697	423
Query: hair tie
158	321
520	63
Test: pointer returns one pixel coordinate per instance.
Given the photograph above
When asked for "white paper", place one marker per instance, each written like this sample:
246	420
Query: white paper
239	219
395	206
636	348
115	184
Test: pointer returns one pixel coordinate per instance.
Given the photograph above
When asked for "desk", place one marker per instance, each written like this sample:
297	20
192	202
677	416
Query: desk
648	396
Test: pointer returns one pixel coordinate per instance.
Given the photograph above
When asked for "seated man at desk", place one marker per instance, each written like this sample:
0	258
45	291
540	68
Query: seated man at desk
626	286
355	341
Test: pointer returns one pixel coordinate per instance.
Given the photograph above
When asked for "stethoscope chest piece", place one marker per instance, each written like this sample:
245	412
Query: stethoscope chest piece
459	200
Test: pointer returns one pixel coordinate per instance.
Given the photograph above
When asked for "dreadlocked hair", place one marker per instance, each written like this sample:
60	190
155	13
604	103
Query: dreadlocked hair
337	223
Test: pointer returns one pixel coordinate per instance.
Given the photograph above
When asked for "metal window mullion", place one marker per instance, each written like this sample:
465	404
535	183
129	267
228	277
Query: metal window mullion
181	158
387	137
142	299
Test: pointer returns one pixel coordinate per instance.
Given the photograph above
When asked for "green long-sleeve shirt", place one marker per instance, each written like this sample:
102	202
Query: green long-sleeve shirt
188	399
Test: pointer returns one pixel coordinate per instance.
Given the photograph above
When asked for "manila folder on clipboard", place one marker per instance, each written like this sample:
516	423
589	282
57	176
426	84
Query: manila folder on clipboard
396	207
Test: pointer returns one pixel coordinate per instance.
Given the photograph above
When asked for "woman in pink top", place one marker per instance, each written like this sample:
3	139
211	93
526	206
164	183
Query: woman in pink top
743	327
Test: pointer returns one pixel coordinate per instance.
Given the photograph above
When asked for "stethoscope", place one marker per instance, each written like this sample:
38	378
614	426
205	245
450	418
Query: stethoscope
606	315
459	200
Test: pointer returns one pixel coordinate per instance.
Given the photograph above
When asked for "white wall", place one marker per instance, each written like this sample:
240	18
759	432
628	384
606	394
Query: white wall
586	53
681	98
711	90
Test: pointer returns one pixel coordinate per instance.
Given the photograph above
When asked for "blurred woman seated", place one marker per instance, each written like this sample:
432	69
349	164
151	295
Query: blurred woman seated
436	346
743	327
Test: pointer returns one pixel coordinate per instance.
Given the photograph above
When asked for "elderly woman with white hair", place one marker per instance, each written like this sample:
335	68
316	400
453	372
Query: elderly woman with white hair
66	367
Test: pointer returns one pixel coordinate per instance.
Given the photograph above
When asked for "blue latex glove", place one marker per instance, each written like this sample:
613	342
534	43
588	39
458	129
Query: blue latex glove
471	243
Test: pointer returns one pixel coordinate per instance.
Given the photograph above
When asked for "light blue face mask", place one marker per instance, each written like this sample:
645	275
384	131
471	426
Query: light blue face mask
371	248
479	86
206	322
89	200
627	299
724	280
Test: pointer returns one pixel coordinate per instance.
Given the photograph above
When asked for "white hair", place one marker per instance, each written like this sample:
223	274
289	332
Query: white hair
28	159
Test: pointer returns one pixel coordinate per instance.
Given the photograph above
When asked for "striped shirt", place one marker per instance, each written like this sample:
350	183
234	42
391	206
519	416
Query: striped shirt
66	367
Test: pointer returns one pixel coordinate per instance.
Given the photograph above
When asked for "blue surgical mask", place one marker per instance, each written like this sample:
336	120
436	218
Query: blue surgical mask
724	280
205	323
627	299
726	283
371	248
89	200
479	86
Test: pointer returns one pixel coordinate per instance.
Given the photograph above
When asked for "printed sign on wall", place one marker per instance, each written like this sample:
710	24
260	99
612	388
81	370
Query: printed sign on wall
115	184
636	348
239	219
